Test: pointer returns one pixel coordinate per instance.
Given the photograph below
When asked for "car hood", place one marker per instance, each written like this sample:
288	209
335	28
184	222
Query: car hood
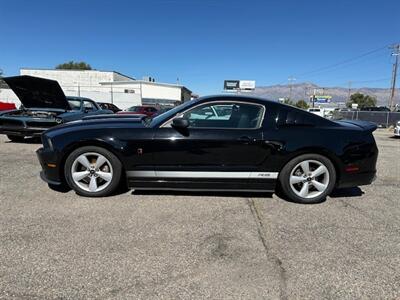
34	92
357	124
97	123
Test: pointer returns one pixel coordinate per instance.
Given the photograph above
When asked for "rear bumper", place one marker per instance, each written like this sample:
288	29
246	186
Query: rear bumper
51	175
357	179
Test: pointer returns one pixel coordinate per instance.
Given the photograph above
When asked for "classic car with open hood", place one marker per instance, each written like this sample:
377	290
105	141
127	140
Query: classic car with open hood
44	105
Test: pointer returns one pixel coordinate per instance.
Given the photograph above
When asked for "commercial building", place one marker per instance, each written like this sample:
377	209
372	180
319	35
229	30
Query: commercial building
108	86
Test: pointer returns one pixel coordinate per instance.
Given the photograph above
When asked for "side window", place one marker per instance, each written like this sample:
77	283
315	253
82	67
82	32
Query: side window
87	105
226	115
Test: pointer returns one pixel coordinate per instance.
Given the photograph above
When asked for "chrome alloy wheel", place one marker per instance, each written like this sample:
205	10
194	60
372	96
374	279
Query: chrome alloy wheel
309	179
92	172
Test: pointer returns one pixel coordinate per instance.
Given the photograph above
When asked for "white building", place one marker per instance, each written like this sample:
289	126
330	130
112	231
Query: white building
108	86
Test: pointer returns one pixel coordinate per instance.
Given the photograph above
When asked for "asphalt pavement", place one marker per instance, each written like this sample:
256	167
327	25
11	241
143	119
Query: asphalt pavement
169	245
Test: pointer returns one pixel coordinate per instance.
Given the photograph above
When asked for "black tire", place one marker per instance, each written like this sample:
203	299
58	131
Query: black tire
15	138
116	171
284	179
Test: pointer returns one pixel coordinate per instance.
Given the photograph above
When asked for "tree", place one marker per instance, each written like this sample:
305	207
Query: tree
362	100
301	104
71	65
288	102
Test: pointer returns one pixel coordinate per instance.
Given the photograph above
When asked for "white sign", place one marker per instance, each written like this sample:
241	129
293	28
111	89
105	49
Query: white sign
247	84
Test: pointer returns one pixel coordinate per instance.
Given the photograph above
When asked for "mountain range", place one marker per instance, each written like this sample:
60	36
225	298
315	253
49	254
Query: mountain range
306	89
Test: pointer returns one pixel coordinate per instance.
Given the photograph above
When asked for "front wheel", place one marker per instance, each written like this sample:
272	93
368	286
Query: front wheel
308	178
93	171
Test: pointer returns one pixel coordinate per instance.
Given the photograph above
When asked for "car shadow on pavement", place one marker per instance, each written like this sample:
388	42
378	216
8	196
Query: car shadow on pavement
347	193
34	140
235	194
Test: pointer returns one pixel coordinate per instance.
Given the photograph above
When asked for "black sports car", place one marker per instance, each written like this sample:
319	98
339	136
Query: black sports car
44	105
227	143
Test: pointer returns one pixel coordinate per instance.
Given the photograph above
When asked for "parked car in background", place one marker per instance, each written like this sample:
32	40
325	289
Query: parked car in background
44	105
163	110
140	110
316	111
397	129
109	106
7	106
254	145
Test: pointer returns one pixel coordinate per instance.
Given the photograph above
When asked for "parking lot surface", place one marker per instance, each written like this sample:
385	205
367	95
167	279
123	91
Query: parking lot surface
142	245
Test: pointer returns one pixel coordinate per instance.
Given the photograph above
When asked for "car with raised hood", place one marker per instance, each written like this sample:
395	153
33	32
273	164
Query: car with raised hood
44	105
218	143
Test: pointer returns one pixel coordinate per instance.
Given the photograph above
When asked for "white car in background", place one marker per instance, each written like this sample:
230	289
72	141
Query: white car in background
317	111
397	129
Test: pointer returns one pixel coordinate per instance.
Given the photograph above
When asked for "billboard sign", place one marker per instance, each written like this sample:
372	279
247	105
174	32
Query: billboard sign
230	85
321	99
242	85
247	84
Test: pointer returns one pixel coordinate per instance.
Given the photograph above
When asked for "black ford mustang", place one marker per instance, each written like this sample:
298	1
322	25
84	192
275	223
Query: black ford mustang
229	143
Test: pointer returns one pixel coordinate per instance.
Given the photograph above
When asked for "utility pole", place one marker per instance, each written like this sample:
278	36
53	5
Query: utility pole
349	93
112	93
290	80
395	53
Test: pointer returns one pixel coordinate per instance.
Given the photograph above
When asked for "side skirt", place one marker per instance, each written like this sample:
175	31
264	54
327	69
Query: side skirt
202	181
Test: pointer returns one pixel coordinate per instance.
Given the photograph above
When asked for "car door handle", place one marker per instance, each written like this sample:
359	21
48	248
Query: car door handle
245	139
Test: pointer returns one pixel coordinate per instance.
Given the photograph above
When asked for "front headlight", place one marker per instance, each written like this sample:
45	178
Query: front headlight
398	123
59	120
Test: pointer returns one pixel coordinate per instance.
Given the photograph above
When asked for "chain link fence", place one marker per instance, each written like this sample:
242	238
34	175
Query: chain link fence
381	118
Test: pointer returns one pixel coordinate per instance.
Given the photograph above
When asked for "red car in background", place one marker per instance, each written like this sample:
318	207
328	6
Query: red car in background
139	110
7	106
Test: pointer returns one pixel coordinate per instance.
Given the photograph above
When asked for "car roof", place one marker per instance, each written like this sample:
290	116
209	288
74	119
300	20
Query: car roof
78	98
240	97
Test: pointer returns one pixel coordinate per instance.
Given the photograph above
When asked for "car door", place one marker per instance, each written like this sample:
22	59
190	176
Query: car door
222	136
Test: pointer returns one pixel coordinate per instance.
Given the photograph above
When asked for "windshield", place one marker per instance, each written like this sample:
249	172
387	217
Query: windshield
165	116
74	104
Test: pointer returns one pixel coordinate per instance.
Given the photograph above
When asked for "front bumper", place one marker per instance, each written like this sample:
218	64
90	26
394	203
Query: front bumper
51	175
22	131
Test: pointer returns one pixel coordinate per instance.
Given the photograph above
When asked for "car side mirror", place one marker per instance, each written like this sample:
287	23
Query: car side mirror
180	123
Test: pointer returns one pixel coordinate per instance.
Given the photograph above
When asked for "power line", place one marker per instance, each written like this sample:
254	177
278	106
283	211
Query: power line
369	80
343	62
348	65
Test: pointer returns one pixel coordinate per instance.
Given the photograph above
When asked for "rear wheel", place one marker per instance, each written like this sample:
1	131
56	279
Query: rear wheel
15	138
93	171
308	178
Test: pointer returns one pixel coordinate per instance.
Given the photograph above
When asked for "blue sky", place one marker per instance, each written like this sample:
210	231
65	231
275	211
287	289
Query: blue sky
203	42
